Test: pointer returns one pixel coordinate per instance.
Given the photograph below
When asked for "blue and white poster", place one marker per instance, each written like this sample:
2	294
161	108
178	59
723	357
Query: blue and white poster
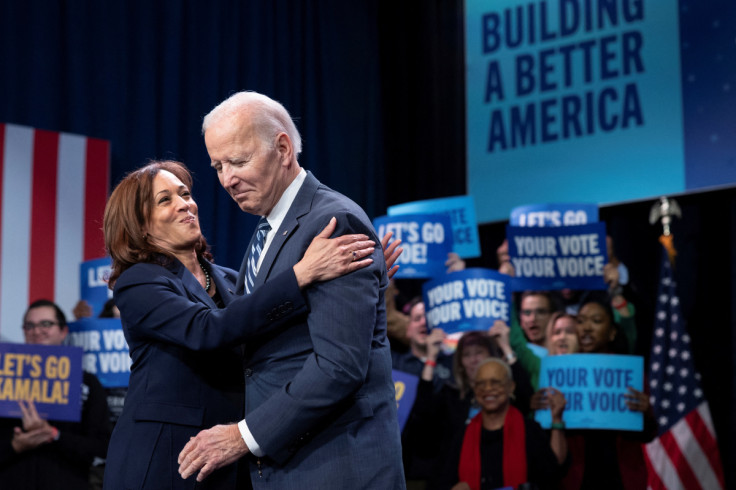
426	240
594	386
572	101
558	258
49	376
405	385
554	214
467	300
93	283
106	352
460	209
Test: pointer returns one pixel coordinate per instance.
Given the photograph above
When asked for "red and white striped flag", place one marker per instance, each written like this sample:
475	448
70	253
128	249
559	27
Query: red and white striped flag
685	454
53	188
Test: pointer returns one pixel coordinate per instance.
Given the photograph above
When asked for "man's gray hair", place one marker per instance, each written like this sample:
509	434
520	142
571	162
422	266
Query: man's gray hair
268	116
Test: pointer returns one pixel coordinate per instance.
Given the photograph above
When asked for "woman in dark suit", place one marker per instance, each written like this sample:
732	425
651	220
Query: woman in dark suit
184	325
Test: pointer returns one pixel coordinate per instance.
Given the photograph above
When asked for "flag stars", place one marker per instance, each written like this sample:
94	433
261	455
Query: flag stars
685	356
697	375
698	393
675	301
667	386
657	349
663	298
673	335
653	384
680	407
665	404
684	372
659	332
662	315
655	367
686	338
673	352
662	420
675	318
666	281
670	369
682	390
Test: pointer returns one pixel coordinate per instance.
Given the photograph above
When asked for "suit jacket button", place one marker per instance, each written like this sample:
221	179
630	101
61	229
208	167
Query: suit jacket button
248	372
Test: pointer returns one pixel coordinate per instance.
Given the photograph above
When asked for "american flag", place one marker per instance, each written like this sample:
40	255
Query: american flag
53	188
685	453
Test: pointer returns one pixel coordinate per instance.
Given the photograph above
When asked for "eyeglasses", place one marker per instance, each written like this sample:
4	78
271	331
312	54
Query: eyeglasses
537	312
43	325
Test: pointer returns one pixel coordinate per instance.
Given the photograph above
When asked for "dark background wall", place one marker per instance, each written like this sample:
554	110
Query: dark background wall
377	90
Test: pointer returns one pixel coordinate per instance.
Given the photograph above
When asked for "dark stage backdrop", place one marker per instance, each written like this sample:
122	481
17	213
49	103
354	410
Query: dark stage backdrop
376	87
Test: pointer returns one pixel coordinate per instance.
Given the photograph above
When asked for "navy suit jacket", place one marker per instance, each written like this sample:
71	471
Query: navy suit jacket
320	399
186	373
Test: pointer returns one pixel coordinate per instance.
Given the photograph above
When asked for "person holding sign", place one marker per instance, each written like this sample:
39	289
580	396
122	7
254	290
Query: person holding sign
36	454
501	447
183	322
608	458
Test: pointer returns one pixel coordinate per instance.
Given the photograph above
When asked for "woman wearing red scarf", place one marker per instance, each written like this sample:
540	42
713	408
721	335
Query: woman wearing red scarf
501	447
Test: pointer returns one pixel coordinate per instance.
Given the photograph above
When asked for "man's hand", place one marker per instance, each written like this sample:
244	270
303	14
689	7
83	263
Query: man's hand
211	449
25	441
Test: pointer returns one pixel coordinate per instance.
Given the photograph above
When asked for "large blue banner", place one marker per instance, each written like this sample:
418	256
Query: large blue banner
571	100
426	240
594	386
105	349
558	258
49	376
467	300
460	209
405	385
93	283
557	214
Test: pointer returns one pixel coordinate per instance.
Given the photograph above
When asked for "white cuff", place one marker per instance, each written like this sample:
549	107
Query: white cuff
253	446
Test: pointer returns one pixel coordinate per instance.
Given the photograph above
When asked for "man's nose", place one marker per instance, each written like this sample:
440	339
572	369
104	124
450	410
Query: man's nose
228	177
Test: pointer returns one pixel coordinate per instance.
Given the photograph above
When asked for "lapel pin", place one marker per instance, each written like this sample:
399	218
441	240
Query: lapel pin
285	232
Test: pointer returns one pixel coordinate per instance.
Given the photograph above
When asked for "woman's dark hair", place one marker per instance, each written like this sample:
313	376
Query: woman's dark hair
619	344
128	211
479	338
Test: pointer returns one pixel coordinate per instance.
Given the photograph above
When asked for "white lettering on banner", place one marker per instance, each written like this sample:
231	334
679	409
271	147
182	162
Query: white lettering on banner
114	362
114	340
538	267
580	266
433	233
535	245
485	288
89	363
443	293
449	312
414	253
404	231
540	218
485	308
579	244
96	276
88	341
573	218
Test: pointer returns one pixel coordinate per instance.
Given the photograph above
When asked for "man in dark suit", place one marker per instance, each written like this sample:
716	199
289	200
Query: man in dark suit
320	407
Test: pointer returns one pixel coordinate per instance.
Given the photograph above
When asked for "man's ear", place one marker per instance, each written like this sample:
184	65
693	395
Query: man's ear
285	148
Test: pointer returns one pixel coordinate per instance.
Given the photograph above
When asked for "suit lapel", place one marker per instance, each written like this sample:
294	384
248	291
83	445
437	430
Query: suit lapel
302	205
224	286
192	285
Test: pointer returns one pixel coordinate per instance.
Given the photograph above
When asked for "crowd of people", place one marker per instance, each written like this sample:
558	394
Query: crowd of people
475	429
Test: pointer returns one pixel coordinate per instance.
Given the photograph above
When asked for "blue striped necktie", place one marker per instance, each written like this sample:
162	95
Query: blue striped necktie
255	252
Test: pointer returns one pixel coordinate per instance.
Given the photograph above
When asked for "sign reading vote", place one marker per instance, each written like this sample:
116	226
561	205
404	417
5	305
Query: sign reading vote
594	386
557	214
93	283
105	349
425	238
467	300
558	258
406	392
460	209
49	376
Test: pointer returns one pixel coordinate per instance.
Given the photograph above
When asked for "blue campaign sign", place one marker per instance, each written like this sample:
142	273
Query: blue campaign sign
49	376
467	300
426	240
594	386
461	210
93	283
558	258
106	352
406	391
554	214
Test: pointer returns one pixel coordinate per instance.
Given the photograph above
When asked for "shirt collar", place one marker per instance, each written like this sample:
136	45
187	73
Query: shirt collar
278	213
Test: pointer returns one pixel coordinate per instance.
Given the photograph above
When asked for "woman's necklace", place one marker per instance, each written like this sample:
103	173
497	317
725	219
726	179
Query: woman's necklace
207	280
